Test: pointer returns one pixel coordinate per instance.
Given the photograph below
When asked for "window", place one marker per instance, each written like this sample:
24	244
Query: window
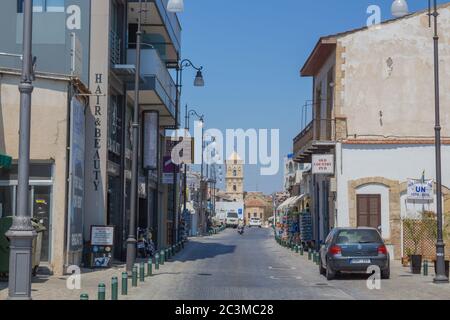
43	6
358	237
234	173
234	188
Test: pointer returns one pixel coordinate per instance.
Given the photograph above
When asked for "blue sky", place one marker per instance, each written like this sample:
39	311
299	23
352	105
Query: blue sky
252	51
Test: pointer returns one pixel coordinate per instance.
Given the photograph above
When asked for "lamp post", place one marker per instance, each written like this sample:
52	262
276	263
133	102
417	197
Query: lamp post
441	277
400	8
131	241
198	82
188	115
21	233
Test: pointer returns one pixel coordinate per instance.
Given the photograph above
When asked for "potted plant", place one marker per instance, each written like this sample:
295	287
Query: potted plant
446	236
415	258
405	259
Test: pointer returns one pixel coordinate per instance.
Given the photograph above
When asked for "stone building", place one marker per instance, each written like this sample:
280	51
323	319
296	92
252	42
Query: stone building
257	205
234	179
373	125
81	160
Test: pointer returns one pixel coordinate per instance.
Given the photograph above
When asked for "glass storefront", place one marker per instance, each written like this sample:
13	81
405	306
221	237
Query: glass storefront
41	185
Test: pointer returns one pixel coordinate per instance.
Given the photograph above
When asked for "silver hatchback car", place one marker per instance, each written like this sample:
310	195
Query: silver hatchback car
353	250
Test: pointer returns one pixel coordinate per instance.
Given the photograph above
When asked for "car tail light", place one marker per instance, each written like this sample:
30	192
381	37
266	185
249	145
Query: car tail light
335	250
382	250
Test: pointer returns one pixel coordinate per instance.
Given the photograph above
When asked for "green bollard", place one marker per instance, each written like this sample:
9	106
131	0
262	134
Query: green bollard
101	291
309	254
162	257
134	280
292	247
157	260
425	268
296	249
114	288
149	267
302	251
84	296
142	272
124	283
317	258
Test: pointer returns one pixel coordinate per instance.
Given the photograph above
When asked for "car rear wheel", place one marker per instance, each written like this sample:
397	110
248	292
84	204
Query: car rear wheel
386	274
330	273
322	270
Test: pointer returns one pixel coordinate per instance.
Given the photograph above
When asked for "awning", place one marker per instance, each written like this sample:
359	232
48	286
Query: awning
5	161
291	202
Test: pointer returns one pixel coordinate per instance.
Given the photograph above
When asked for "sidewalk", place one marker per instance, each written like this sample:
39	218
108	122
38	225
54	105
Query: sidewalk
55	288
402	285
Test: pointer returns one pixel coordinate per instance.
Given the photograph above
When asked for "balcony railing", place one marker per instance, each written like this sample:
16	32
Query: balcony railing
171	22
116	48
318	130
152	68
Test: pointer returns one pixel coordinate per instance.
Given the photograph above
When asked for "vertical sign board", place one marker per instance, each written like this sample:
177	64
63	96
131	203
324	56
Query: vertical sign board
323	164
168	166
96	180
151	135
76	174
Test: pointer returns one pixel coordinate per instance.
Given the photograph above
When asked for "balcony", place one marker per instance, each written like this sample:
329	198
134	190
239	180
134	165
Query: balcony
316	138
158	90
161	25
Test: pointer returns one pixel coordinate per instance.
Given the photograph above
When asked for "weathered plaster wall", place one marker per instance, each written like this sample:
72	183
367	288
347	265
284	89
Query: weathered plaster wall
48	142
390	70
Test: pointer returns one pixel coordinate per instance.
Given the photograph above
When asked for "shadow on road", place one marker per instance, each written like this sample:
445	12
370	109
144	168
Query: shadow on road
199	251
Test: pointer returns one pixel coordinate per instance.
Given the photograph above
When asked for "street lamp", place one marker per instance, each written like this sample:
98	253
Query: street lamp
21	233
441	277
175	6
131	240
188	115
399	8
198	82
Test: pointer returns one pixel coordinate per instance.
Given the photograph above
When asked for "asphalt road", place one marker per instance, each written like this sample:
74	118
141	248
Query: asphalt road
228	266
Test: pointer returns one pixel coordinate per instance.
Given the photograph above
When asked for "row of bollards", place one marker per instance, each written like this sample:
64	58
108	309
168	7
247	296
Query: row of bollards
313	255
138	274
216	230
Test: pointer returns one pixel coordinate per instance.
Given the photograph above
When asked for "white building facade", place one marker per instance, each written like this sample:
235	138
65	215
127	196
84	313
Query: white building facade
373	110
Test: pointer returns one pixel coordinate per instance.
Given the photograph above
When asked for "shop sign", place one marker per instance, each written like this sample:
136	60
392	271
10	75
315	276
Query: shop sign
76	173
420	189
323	164
151	134
102	236
168	169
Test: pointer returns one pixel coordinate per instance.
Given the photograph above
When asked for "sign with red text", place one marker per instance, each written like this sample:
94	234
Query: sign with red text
323	164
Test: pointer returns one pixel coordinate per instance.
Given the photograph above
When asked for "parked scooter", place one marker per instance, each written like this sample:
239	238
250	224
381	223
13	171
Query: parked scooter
145	246
241	230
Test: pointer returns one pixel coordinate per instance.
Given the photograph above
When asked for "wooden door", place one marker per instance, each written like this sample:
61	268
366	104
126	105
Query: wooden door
369	210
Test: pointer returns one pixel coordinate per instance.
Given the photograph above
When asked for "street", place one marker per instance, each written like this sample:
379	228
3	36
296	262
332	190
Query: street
254	267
